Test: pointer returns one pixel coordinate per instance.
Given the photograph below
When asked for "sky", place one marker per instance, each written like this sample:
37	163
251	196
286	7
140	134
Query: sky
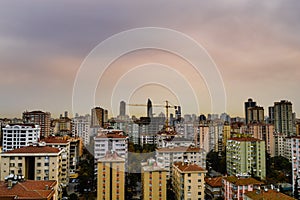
45	45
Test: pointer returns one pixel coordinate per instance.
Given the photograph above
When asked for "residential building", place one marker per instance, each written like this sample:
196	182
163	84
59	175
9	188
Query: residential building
98	117
234	187
76	151
109	140
165	157
295	144
283	118
213	188
246	156
154	181
255	114
37	162
249	104
64	144
266	194
39	118
81	128
188	181
29	189
19	135
111	177
202	137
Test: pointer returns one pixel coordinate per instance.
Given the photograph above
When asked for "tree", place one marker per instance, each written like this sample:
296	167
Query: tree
73	196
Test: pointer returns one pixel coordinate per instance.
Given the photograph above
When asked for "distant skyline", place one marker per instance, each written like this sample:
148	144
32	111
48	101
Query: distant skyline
255	45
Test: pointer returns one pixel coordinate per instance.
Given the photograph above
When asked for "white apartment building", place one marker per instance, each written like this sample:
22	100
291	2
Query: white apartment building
19	135
165	157
81	128
295	144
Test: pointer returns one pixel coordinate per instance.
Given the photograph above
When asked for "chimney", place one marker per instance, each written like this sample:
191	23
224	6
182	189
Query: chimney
9	184
46	187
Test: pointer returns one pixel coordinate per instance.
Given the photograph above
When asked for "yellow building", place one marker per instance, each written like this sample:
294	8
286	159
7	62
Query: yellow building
154	184
34	163
111	177
188	181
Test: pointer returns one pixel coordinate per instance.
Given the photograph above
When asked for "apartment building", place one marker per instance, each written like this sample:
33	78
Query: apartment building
19	135
188	181
111	177
165	157
154	181
246	156
234	187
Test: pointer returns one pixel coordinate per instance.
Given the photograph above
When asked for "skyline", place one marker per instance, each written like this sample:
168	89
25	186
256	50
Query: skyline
254	44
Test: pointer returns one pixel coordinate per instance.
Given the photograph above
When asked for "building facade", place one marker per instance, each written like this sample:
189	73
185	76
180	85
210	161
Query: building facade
246	156
39	118
188	181
19	135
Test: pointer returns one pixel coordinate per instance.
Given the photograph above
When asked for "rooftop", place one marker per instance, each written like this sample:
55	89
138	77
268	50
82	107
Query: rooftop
111	135
54	140
34	149
111	157
214	182
245	139
179	149
268	195
186	167
28	190
242	181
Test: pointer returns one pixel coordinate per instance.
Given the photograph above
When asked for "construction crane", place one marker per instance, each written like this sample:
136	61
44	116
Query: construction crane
166	106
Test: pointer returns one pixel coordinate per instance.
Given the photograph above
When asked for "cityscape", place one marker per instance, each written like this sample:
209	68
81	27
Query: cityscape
150	100
181	156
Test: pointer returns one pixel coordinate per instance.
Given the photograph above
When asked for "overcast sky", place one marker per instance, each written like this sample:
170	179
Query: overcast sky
255	45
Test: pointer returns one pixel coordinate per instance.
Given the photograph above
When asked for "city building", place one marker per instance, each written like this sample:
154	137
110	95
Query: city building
64	144
284	121
255	114
213	188
39	118
76	151
188	181
29	189
122	108
165	157
235	187
19	135
81	128
154	181
246	156
111	177
264	132
110	140
249	104
99	117
35	162
266	194
295	160
202	137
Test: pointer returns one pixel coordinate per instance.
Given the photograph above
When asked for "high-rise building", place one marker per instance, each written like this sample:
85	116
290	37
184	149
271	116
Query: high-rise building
283	118
19	135
98	117
295	160
250	103
188	181
111	177
271	115
255	114
122	108
39	118
149	108
246	156
154	183
81	128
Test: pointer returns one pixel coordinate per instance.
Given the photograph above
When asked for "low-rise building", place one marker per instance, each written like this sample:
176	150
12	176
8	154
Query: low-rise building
188	181
266	195
29	189
234	187
213	188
